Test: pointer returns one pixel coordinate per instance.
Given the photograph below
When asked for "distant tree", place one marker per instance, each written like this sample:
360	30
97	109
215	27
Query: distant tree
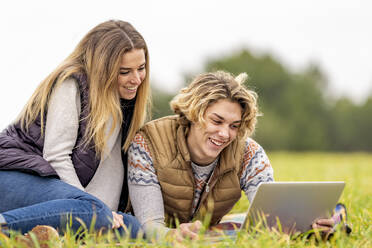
342	131
292	104
364	121
297	111
352	125
161	101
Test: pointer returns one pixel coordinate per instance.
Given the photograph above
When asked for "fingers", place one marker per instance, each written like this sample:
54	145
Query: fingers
321	227
117	220
325	226
325	222
188	230
196	226
178	235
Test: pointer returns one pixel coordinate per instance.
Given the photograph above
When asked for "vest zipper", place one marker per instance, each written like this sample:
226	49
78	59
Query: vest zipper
207	189
203	195
209	180
193	189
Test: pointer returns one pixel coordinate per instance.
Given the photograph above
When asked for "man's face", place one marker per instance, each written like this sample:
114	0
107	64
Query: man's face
222	122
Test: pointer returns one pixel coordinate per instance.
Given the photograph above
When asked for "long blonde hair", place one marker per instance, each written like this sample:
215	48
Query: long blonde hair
98	56
206	89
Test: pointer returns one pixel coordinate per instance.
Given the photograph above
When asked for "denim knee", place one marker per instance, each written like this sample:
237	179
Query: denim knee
132	225
101	212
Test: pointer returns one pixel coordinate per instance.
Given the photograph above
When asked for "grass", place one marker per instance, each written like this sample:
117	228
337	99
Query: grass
355	169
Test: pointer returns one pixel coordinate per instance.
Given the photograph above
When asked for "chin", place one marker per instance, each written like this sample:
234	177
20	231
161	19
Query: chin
128	97
213	155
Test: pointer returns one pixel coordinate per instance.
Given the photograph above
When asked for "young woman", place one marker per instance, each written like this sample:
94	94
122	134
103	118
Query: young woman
65	156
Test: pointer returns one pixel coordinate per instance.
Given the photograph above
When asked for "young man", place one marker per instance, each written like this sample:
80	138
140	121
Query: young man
199	160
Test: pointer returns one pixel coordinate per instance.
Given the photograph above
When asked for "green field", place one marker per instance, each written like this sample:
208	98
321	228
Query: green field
355	169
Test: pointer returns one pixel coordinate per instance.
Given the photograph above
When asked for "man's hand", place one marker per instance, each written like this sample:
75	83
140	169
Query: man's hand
117	220
324	226
187	230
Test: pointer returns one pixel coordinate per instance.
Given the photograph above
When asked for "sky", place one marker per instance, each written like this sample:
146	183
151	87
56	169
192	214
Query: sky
182	35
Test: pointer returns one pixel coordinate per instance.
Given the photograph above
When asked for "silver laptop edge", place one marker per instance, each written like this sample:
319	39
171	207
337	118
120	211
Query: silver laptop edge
295	204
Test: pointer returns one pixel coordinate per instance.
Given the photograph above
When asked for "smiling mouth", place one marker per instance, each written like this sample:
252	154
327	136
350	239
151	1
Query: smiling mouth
216	142
130	88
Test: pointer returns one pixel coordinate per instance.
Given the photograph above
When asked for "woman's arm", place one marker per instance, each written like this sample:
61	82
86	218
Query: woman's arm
61	128
256	168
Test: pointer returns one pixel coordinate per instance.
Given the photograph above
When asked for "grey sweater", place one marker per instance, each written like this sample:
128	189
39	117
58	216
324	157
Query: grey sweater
60	136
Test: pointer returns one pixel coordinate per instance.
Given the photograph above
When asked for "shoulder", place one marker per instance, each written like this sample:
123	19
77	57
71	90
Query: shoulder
67	87
163	122
70	83
253	151
139	151
250	145
256	167
139	141
252	142
164	128
160	138
65	95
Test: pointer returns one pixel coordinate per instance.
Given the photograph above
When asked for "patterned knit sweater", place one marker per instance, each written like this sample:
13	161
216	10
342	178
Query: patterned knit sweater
145	191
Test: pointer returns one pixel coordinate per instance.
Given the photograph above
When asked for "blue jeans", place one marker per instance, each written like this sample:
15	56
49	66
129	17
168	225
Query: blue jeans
28	200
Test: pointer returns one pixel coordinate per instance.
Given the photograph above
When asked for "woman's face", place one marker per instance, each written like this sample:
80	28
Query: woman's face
222	121
132	73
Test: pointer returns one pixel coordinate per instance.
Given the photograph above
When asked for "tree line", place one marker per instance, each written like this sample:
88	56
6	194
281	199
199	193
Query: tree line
298	111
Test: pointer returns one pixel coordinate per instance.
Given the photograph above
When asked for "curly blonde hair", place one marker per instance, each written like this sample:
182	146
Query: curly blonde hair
192	101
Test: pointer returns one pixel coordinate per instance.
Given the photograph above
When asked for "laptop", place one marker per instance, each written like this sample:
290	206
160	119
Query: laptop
295	205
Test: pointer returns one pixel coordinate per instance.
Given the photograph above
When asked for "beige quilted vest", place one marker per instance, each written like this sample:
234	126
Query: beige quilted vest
166	141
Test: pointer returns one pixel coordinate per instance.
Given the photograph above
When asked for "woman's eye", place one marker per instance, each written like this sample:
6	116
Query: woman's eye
141	68
124	72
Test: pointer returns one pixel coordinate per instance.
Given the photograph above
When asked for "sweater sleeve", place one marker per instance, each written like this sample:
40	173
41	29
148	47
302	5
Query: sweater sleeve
256	169
61	131
144	189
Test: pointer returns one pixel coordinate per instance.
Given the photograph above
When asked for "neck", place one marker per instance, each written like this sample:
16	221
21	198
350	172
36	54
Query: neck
195	156
125	102
205	165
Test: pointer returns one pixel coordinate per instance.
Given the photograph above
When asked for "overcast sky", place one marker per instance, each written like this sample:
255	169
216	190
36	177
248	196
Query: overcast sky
37	35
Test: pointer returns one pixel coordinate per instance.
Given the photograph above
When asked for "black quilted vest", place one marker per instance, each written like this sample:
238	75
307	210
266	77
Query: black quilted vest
20	150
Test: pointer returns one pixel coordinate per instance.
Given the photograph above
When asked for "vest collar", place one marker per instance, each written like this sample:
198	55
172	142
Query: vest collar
182	143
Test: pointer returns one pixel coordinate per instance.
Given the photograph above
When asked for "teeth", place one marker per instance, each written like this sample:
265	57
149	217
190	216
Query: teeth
217	143
131	88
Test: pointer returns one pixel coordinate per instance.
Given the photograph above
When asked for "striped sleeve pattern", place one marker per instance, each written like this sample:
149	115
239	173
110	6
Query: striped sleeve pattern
141	169
256	168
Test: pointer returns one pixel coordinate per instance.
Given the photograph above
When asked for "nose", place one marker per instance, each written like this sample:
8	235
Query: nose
136	78
224	132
